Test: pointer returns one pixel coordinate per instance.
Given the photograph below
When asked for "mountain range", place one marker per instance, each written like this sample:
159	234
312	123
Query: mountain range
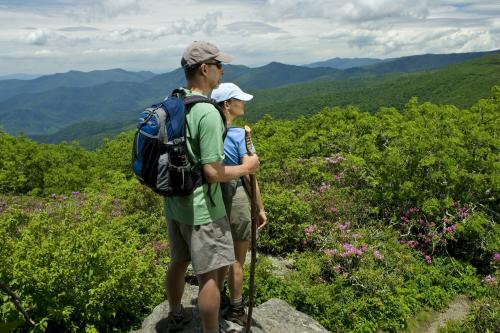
86	106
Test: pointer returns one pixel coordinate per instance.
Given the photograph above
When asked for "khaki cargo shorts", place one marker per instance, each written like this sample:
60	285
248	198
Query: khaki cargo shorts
241	215
208	246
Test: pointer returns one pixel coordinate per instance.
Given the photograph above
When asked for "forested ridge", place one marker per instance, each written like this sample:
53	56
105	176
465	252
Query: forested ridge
383	215
460	84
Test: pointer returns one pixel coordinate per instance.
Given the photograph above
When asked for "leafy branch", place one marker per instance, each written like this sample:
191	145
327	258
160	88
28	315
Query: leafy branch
17	302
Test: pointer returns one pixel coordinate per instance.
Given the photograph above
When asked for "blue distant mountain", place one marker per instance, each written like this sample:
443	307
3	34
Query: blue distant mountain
344	63
99	99
20	76
10	88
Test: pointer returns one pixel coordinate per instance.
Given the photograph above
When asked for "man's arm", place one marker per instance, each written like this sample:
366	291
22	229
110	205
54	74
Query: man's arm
217	172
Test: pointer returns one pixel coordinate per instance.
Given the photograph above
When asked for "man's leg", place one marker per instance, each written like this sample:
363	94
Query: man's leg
235	279
211	253
179	252
175	284
209	299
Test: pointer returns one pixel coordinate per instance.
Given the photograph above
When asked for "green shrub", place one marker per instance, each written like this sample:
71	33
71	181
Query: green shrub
476	240
77	265
288	215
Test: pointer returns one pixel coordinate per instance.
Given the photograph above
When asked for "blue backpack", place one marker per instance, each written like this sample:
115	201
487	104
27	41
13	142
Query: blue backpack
159	155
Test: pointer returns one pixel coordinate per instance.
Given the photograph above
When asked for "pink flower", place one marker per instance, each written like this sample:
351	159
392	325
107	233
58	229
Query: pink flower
364	247
337	268
350	251
345	226
334	160
428	259
496	257
334	210
159	246
490	280
451	229
323	187
309	230
377	255
330	252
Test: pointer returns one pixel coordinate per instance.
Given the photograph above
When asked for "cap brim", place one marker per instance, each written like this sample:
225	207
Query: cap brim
222	57
243	97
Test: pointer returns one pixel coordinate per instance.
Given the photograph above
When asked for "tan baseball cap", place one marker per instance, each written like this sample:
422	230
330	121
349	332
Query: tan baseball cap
200	51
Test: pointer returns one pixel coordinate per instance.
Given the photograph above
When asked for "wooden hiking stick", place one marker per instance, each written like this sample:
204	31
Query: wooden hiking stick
253	246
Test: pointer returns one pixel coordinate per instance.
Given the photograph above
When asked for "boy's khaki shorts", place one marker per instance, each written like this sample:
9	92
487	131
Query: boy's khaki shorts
241	216
208	246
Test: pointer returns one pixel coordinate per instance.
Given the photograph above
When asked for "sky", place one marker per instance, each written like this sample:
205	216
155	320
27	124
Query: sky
50	36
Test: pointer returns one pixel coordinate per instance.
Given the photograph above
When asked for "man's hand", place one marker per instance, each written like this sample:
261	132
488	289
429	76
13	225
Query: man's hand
262	219
251	163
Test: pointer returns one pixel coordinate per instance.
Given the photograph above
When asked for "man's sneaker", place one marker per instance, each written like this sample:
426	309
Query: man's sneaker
223	329
175	322
236	314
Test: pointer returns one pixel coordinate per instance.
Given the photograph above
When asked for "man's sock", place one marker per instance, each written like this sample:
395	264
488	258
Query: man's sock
237	302
176	309
211	330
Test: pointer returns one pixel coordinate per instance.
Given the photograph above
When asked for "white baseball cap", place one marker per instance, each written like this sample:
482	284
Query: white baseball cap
227	91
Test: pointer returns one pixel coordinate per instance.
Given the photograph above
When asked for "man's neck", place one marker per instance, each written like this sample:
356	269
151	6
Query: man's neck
201	88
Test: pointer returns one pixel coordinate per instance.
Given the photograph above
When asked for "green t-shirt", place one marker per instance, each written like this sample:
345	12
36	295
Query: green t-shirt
205	145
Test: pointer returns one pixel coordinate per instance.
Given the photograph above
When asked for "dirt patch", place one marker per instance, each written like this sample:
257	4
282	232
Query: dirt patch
457	310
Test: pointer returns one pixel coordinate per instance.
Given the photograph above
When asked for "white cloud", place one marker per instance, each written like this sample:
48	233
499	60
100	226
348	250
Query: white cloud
98	10
247	28
207	24
133	34
338	10
38	37
43	37
81	34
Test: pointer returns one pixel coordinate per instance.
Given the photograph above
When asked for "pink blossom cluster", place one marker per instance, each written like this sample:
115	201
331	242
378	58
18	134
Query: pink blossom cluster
413	210
428	259
159	246
377	255
330	252
309	230
496	257
323	187
343	227
339	176
334	159
490	280
463	212
451	229
412	244
351	251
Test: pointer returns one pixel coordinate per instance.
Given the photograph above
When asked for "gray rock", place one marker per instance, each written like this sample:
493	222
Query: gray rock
273	316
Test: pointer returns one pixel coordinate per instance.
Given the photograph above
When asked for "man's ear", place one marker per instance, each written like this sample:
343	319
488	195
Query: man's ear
203	69
227	104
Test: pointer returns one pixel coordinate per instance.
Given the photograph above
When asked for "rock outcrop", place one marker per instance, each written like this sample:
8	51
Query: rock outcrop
273	316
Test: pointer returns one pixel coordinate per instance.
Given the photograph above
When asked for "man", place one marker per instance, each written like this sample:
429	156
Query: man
198	229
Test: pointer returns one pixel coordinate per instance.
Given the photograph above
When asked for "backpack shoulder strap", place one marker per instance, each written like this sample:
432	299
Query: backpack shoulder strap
189	101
